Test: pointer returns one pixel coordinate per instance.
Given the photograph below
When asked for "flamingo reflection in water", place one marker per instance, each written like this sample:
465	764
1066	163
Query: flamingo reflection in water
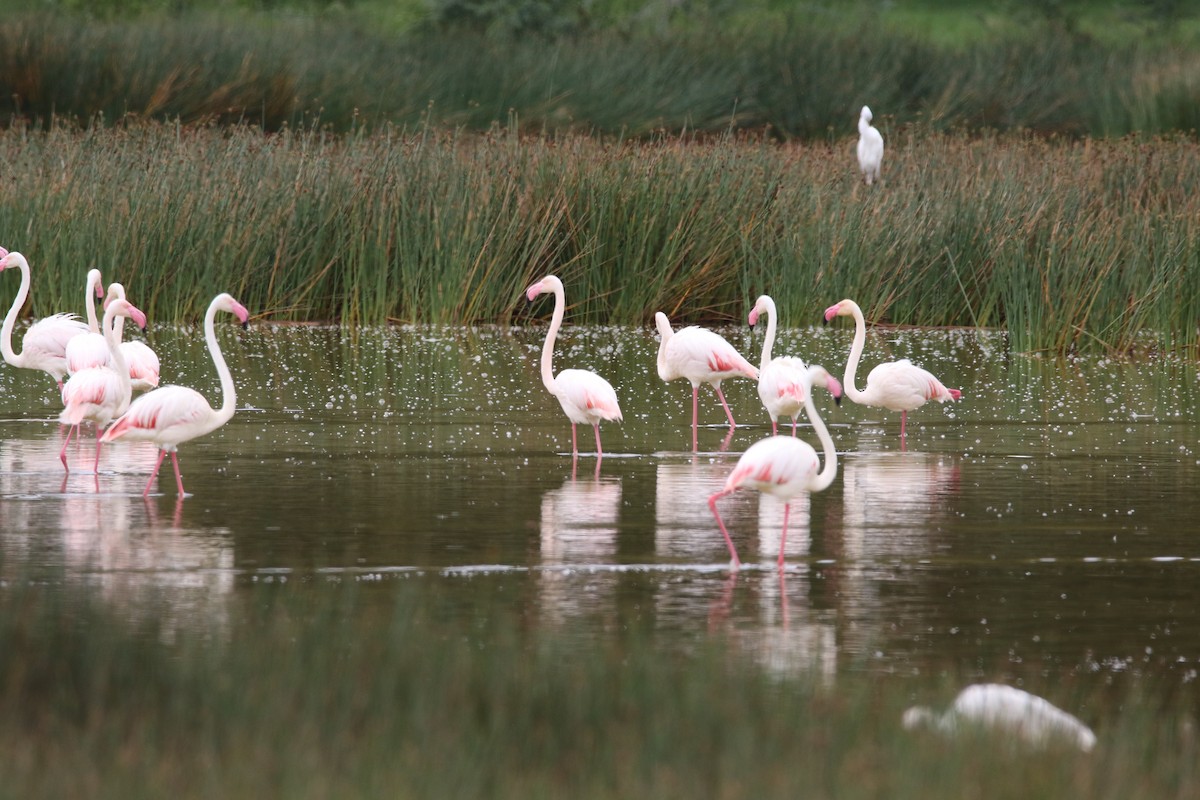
579	523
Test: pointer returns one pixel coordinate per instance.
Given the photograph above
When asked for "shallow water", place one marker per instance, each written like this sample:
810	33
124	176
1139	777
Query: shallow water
1044	526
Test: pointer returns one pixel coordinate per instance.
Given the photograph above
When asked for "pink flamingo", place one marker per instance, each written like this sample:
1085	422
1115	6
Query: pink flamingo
701	356
783	466
171	415
45	343
143	362
585	397
100	393
89	349
783	381
895	385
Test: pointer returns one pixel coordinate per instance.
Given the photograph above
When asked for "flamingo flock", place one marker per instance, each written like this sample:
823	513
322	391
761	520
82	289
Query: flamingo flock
97	372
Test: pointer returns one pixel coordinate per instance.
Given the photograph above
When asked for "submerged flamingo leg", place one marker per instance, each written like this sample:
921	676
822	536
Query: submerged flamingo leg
63	453
178	477
154	474
725	405
97	465
599	450
712	504
695	414
787	507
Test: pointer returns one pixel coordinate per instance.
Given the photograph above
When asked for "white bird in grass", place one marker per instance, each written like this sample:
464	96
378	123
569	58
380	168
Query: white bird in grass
45	344
585	397
783	381
870	147
1033	719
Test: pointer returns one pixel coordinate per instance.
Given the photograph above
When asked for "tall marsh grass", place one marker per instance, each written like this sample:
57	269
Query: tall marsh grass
1088	245
327	690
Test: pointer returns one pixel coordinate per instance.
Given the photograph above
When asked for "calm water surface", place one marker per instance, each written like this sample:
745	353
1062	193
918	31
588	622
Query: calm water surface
1045	526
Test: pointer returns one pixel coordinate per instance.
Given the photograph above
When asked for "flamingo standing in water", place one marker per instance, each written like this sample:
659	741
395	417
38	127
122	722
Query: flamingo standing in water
45	343
103	392
89	349
701	356
783	381
895	385
870	147
585	397
783	466
171	415
142	360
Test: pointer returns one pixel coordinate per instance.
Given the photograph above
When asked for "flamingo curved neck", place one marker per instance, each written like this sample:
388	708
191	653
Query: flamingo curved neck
551	337
665	333
829	470
769	342
856	348
228	393
11	319
112	337
89	304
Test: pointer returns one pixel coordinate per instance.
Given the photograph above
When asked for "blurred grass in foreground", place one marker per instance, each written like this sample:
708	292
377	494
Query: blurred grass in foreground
328	690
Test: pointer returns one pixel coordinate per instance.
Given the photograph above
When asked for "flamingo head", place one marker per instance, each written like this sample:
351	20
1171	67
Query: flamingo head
123	308
115	292
842	309
832	384
4	260
237	309
663	324
865	114
546	284
95	280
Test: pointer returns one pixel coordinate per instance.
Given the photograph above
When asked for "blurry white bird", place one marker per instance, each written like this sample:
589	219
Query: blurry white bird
1033	719
870	147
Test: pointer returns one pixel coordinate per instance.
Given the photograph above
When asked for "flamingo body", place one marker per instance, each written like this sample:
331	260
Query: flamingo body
783	466
45	343
88	349
784	381
700	356
870	147
143	362
1033	719
172	415
585	397
895	385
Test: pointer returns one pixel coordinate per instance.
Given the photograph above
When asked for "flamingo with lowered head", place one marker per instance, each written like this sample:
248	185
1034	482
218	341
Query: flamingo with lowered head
701	356
172	415
103	392
1033	719
143	362
895	385
89	349
783	466
783	381
870	147
585	397
45	343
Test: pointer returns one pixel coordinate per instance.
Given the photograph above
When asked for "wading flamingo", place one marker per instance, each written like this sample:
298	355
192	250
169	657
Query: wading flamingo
701	356
143	361
45	343
100	393
89	349
783	381
1033	719
171	415
870	147
895	385
782	466
585	397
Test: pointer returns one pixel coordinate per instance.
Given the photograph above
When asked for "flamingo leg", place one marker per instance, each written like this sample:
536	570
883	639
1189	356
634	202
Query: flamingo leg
574	441
599	450
725	405
774	428
787	507
63	453
712	504
793	427
695	414
178	477
96	467
903	420
154	474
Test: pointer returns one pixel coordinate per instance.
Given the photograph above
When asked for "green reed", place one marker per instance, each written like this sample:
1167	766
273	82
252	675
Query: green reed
1068	245
329	689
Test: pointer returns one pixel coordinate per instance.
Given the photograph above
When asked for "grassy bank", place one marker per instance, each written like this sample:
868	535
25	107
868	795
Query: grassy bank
326	690
802	74
1069	245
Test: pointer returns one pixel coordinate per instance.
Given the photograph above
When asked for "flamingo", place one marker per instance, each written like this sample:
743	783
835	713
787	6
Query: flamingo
783	466
89	349
870	147
171	415
45	343
782	381
142	360
895	385
701	356
585	397
100	393
1034	719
